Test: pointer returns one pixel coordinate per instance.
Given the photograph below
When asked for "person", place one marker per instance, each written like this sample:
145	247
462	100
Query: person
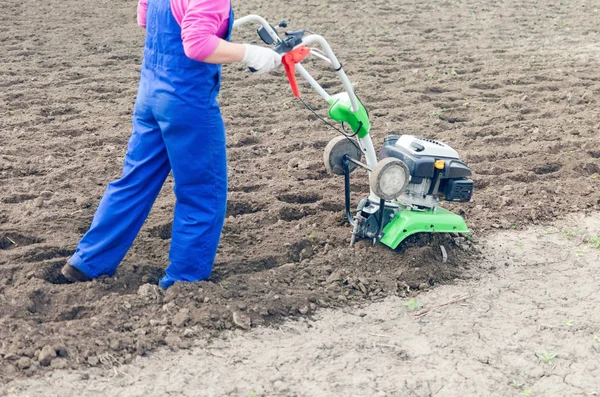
177	126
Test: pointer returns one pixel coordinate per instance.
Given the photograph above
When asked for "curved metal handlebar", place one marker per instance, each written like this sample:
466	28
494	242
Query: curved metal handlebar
261	21
365	142
335	64
307	41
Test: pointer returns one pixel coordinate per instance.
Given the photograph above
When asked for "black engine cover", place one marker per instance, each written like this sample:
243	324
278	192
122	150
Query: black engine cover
460	190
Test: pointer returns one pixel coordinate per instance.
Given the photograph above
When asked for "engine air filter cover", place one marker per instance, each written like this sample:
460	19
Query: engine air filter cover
389	178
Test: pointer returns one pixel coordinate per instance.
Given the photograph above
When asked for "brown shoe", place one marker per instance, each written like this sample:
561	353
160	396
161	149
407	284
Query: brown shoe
73	274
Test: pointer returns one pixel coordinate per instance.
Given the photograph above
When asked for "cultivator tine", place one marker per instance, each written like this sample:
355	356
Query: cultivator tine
380	221
347	190
354	233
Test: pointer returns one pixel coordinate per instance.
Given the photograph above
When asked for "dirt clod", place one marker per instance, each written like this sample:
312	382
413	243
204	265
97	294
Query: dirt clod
173	341
293	162
181	318
59	363
304	310
149	291
47	354
23	363
93	361
61	350
241	320
189	333
115	344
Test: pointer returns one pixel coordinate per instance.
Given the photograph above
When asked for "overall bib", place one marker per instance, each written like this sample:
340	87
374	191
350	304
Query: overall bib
177	126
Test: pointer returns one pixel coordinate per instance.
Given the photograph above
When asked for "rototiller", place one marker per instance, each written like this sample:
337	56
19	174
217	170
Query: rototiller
413	173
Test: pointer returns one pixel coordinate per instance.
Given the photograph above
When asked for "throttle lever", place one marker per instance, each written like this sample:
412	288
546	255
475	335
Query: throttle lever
289	60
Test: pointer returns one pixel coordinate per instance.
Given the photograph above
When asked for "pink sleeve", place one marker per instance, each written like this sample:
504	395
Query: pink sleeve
201	24
141	12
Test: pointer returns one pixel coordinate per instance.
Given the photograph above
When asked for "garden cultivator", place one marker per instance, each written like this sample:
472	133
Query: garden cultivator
410	178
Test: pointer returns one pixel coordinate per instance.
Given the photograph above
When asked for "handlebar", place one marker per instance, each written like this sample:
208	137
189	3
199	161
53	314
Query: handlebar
261	21
354	109
307	41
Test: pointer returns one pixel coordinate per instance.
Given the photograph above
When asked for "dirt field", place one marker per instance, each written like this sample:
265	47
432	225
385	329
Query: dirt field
512	87
528	327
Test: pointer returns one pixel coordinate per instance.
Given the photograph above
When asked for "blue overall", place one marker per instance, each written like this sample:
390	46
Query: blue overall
177	126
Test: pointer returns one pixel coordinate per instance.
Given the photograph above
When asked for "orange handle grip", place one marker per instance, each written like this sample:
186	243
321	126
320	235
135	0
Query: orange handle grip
289	61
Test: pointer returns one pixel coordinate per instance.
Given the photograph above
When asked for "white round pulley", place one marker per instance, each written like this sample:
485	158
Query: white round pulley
336	149
389	178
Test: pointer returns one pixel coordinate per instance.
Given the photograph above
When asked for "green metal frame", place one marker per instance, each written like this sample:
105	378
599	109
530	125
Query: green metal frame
340	109
407	223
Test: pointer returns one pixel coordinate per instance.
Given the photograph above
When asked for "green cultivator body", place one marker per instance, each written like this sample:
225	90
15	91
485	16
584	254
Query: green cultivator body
408	177
407	223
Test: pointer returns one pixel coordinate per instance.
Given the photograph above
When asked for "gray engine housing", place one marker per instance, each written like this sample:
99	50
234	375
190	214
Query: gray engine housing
427	183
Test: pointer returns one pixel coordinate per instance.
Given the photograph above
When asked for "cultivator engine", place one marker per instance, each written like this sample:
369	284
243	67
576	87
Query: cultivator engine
410	178
414	174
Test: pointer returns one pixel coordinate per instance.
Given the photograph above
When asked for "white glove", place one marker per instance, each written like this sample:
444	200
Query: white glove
261	59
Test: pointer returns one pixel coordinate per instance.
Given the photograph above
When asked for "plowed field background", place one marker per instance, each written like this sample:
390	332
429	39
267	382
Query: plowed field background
512	86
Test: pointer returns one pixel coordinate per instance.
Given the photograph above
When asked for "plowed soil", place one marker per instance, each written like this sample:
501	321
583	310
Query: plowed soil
511	86
527	326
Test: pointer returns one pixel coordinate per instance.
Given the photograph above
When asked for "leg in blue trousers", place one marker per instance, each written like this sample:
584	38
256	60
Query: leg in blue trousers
195	142
127	201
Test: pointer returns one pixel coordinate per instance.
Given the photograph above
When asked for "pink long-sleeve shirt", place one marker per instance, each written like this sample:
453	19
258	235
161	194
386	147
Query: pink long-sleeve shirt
203	24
